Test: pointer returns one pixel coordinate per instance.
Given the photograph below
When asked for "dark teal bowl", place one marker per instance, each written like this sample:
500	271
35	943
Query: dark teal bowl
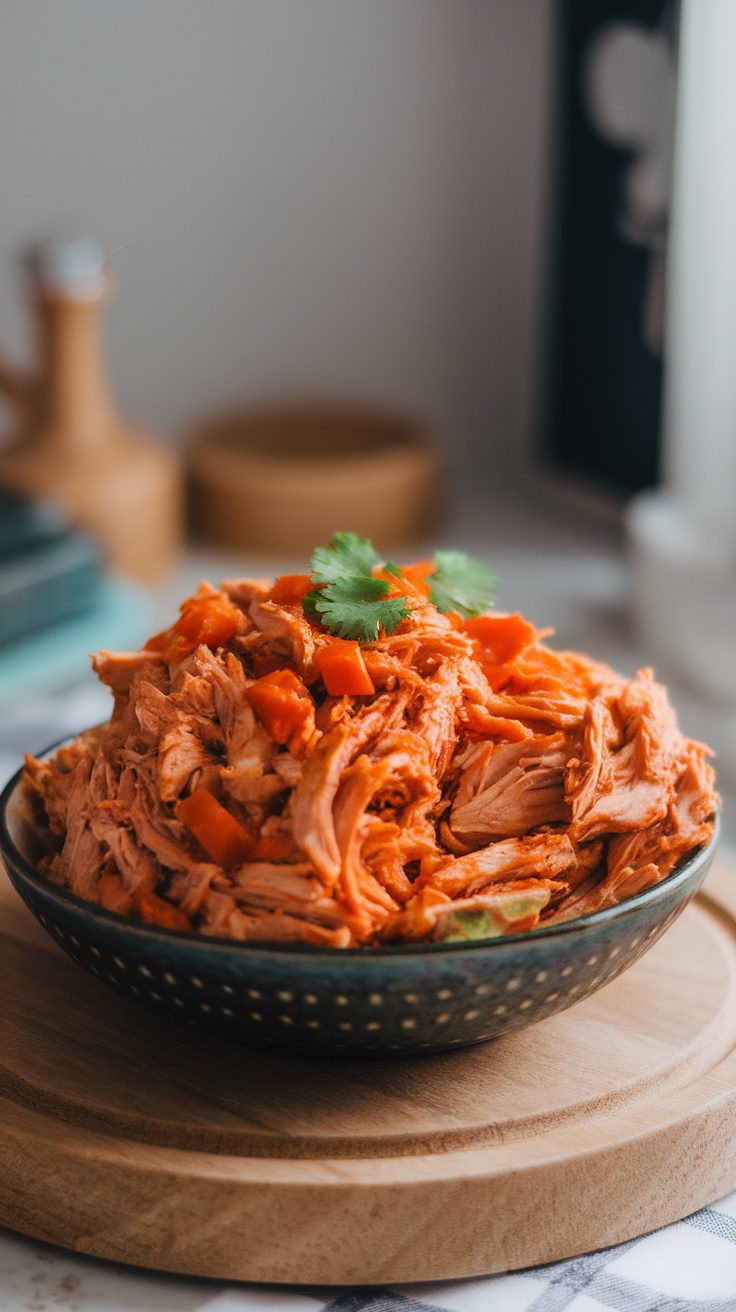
372	1001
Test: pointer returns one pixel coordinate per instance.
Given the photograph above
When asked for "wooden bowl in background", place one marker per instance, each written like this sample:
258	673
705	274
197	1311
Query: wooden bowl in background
283	478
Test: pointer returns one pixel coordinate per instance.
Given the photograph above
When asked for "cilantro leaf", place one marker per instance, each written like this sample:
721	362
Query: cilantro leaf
309	605
346	557
352	609
461	583
390	568
346	598
354	590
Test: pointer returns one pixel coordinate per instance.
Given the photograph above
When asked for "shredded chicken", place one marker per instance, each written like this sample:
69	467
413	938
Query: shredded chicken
468	794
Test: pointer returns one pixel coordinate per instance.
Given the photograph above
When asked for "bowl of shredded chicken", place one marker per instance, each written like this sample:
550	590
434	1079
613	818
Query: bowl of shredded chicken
368	755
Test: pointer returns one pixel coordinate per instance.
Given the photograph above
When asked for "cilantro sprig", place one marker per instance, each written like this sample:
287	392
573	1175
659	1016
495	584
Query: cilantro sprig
352	603
461	583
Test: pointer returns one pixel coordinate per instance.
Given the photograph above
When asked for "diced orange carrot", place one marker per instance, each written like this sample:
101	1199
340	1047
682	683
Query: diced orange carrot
209	620
411	582
501	637
418	575
113	894
282	703
158	641
156	911
289	589
499	676
343	669
170	645
212	620
218	833
272	847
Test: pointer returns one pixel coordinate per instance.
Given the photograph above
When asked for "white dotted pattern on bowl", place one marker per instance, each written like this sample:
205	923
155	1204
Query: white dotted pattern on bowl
407	1022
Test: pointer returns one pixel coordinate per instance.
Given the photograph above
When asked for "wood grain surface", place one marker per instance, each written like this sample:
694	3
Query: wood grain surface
124	1136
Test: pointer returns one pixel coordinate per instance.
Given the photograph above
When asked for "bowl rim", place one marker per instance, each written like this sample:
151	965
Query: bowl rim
13	856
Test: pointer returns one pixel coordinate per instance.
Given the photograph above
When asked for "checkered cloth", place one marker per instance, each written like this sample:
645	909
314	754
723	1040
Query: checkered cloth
690	1265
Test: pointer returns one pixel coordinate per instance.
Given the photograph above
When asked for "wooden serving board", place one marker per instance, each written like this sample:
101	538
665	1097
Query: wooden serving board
127	1137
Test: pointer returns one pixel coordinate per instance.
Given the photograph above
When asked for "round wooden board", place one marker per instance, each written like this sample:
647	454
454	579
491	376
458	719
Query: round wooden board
128	1138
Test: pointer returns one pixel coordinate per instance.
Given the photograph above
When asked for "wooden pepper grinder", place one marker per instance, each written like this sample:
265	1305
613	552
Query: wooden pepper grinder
72	444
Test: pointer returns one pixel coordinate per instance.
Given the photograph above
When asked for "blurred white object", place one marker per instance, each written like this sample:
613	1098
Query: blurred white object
685	596
700	401
71	266
684	537
630	90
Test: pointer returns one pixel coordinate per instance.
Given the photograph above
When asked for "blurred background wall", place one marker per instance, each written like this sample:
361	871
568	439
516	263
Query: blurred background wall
339	196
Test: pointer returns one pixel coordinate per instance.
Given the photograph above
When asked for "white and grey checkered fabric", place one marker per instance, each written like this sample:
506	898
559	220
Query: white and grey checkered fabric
686	1266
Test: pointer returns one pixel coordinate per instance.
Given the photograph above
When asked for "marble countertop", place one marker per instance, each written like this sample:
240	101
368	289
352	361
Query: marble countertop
35	1277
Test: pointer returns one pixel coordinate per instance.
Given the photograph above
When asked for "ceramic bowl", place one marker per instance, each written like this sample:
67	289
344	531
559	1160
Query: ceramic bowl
373	1001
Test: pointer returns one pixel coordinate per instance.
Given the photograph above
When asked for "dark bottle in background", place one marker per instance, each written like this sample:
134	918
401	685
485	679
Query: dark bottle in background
616	76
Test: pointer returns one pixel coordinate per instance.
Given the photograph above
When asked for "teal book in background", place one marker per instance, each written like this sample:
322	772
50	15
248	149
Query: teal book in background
49	571
121	618
57	603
